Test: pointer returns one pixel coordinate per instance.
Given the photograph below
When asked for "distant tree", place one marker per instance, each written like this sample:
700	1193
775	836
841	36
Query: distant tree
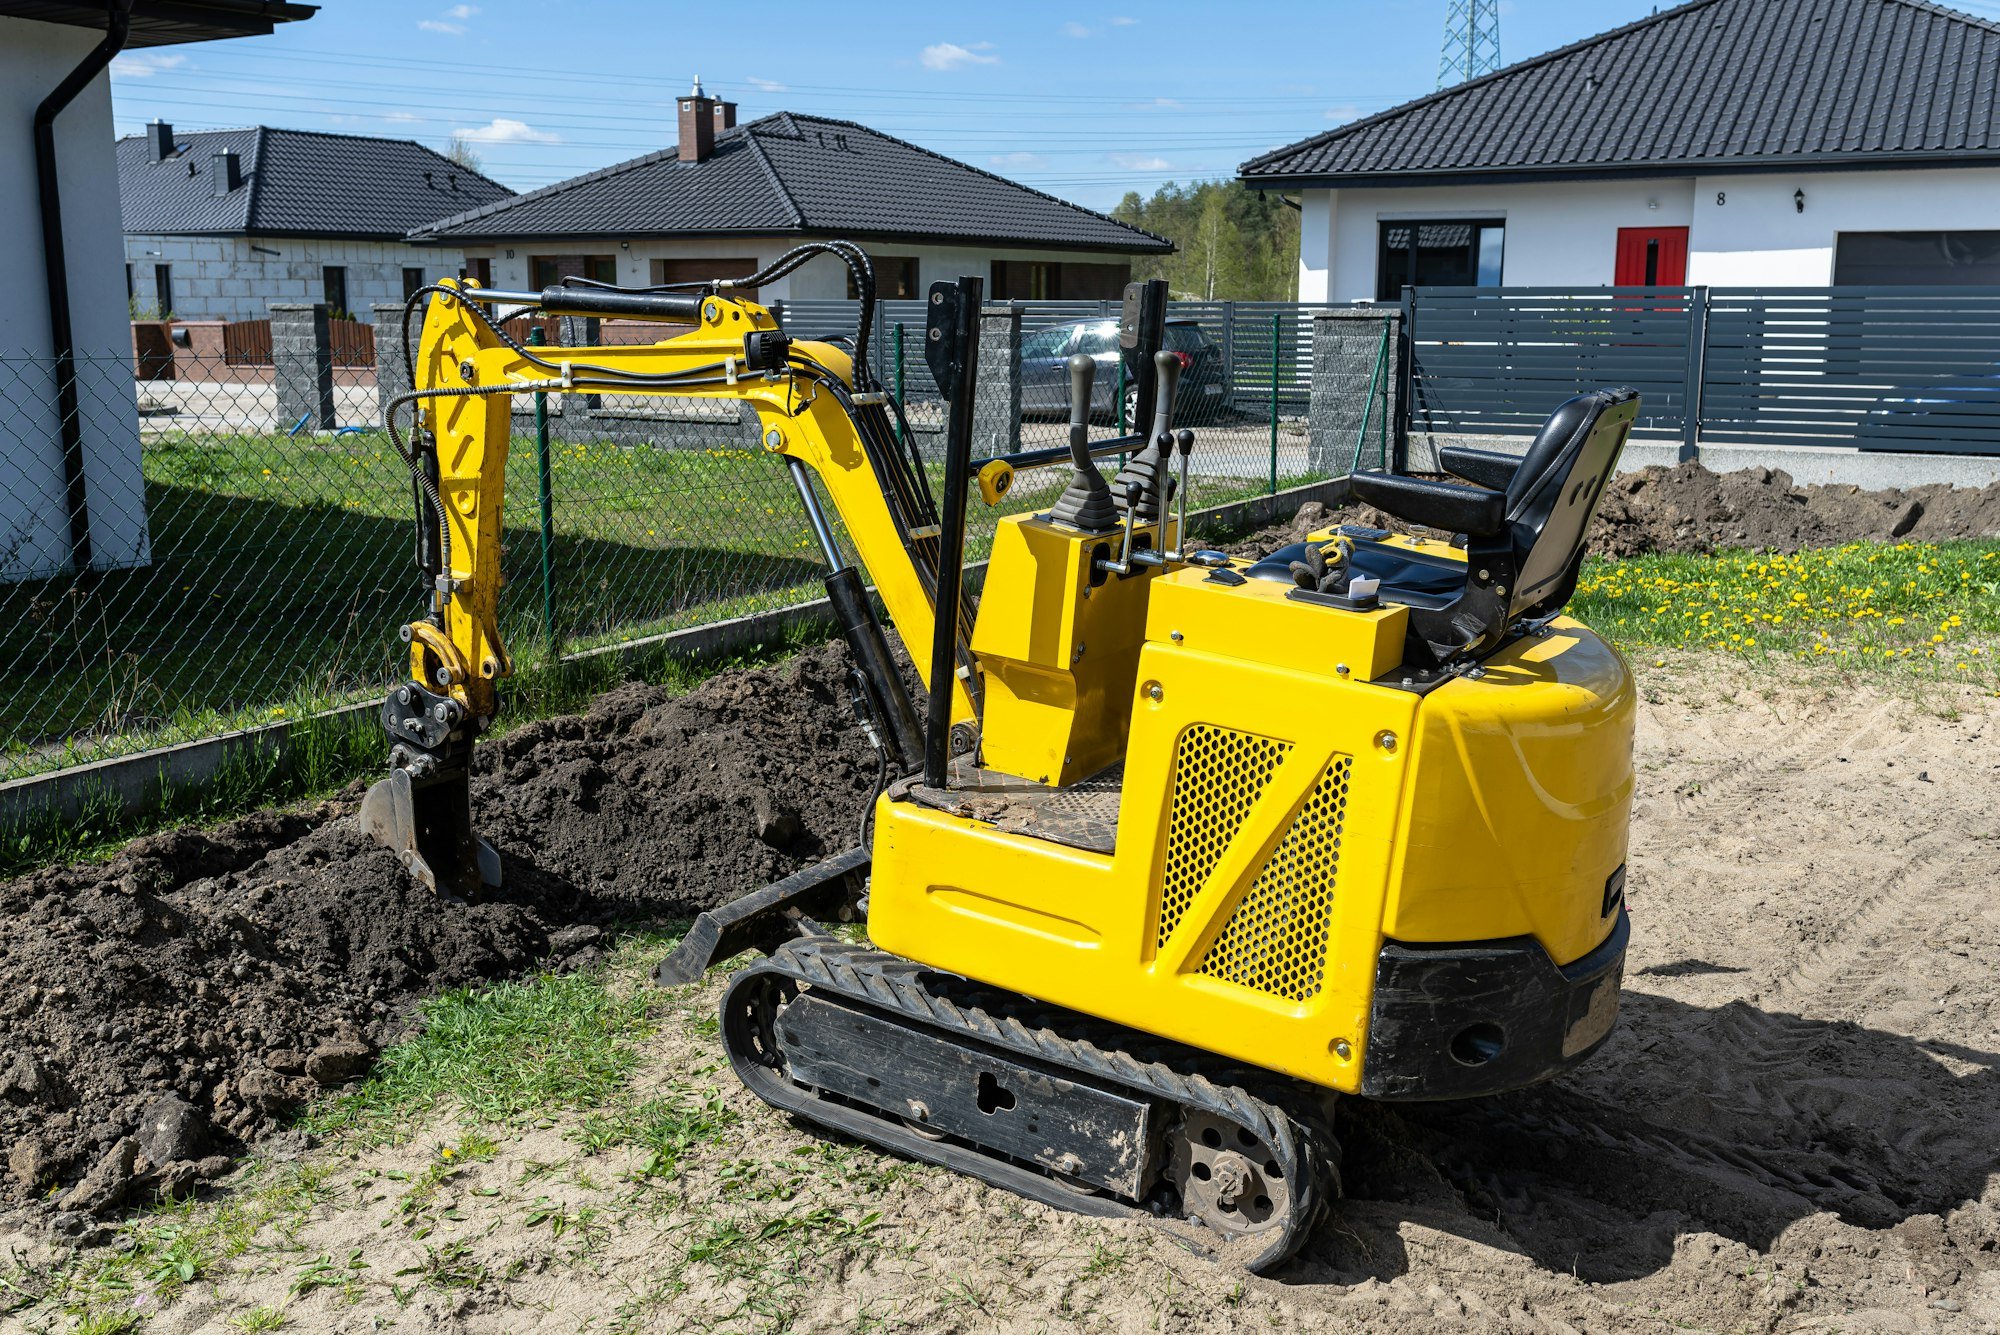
1231	243
464	154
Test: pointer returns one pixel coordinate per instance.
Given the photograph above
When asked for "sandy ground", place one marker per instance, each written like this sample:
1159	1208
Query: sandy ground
1796	1126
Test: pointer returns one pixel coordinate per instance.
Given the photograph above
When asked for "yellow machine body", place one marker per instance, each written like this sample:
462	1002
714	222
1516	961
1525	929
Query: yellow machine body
1287	809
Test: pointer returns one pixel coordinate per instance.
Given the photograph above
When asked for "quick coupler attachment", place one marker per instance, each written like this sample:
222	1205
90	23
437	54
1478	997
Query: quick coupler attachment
422	812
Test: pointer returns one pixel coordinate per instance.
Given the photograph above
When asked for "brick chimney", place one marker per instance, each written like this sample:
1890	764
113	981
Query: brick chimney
162	135
698	120
725	116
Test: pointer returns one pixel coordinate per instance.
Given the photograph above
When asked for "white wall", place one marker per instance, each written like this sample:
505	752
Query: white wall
34	527
1560	233
1566	233
824	277
1758	238
237	278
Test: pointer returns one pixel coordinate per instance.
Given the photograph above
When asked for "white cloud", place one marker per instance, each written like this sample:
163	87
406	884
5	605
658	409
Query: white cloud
1123	21
1141	162
461	11
1157	104
768	85
439	25
145	64
1075	29
400	116
951	56
1017	161
506	130
1343	113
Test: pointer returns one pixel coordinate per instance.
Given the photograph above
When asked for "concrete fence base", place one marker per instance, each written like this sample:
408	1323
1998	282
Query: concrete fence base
1871	470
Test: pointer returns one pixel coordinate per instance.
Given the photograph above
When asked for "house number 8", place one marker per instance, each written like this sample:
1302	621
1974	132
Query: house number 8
1721	197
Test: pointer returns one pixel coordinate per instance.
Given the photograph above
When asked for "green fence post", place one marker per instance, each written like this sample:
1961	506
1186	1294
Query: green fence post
901	403
542	471
1274	403
1368	408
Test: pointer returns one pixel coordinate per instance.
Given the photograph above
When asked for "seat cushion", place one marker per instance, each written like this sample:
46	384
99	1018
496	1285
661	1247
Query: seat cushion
1416	579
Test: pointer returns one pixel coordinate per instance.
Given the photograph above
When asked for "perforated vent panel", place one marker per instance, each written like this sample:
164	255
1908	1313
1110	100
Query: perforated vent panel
1275	942
1218	776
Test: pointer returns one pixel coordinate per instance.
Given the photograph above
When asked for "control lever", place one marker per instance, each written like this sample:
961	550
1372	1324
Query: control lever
1184	438
1086	503
1148	467
1135	491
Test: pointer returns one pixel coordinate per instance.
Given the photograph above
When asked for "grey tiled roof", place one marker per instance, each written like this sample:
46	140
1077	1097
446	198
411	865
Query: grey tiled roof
295	183
789	173
1713	85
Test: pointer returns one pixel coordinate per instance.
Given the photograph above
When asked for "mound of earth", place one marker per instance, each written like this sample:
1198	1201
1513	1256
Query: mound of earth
1690	509
168	1007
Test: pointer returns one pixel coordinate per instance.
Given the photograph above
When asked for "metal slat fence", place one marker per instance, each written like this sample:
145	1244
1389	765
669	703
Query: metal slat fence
1913	369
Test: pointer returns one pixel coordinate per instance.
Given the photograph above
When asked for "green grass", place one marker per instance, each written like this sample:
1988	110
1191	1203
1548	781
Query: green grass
502	1053
1929	608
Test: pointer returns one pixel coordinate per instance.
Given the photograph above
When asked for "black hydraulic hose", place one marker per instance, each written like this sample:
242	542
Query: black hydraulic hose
55	263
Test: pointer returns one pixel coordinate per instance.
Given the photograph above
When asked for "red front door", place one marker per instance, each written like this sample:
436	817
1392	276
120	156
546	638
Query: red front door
1652	257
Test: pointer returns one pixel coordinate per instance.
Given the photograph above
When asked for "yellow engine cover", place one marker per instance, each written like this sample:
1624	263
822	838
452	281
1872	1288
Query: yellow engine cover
1280	817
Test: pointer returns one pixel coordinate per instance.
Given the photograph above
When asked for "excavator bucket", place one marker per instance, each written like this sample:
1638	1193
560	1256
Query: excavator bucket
427	823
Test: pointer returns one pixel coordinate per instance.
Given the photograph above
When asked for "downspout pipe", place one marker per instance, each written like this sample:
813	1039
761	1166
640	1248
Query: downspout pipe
55	261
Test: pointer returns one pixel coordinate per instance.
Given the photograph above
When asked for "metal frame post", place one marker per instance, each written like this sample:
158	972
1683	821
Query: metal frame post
544	484
963	355
902	403
1697	350
1275	317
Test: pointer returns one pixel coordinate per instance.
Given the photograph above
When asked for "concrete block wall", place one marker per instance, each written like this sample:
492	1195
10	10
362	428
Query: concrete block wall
1346	349
302	364
235	278
996	399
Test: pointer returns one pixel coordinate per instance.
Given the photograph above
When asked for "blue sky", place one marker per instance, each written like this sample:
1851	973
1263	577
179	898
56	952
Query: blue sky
1084	102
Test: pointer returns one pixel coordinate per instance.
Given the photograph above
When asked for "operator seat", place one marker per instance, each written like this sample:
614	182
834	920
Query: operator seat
1524	522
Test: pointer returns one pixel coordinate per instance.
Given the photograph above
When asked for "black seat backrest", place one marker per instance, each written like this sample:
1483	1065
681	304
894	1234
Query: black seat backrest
1554	494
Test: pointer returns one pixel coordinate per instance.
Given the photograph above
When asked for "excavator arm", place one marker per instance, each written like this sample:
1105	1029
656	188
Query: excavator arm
827	424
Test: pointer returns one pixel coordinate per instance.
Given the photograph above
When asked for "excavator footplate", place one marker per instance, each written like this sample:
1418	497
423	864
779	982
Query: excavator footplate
1080	815
1074	1112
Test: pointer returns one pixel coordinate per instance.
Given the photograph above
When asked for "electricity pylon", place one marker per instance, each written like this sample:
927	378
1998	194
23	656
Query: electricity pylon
1471	41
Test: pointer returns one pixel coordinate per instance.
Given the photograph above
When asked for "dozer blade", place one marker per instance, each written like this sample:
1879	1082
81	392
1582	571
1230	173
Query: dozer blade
428	825
766	919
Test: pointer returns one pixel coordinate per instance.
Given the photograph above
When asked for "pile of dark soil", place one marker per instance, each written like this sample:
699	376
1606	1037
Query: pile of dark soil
1689	509
168	1007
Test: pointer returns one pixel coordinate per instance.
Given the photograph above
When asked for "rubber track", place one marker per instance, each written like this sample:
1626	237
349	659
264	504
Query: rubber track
1284	1116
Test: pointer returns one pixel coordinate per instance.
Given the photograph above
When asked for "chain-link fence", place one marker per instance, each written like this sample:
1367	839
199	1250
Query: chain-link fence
243	549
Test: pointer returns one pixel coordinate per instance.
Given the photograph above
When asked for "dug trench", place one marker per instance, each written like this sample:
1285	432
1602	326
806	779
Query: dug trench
1796	1118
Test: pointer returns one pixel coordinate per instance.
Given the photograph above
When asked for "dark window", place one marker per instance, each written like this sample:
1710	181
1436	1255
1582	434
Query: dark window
480	271
131	292
700	270
333	289
1187	338
1897	259
1026	280
1094	282
163	289
548	270
413	278
895	278
1439	254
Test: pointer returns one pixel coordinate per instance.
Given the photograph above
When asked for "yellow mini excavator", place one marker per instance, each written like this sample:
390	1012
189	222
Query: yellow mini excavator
1181	846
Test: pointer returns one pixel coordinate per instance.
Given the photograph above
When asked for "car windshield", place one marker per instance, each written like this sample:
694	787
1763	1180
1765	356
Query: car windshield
1099	339
1046	342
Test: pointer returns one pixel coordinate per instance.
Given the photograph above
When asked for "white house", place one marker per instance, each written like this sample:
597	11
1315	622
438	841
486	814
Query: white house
220	224
1720	142
71	493
729	198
